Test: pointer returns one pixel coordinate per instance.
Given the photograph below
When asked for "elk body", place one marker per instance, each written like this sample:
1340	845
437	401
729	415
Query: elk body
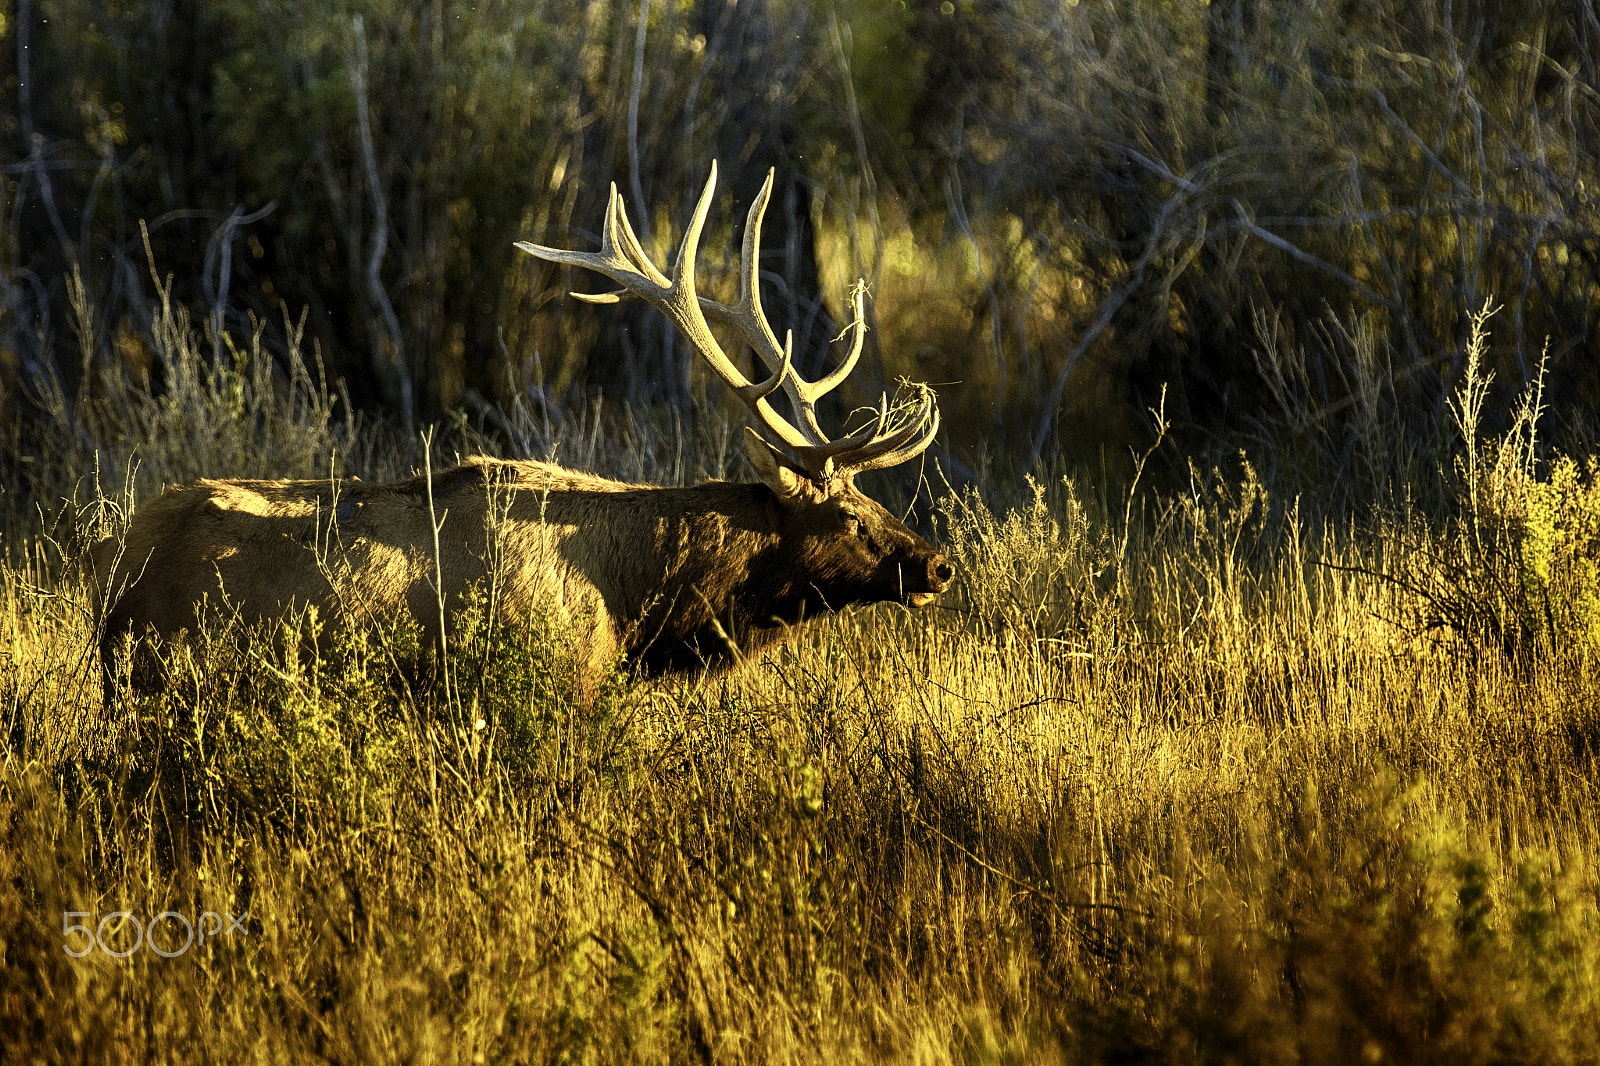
677	579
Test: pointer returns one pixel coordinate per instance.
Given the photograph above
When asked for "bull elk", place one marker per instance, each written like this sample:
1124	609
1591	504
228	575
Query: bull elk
675	579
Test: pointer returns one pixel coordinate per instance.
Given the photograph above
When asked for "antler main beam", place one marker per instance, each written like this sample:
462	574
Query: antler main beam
893	437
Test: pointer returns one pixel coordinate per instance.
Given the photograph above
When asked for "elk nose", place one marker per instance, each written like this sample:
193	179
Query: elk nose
940	572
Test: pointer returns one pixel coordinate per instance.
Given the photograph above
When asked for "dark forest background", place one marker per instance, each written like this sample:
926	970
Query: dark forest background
1278	215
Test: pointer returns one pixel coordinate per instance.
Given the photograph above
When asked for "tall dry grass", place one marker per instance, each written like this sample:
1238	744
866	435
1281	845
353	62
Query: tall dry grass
1177	777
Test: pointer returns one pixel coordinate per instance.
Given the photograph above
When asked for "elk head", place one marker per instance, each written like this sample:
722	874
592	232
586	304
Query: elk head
848	548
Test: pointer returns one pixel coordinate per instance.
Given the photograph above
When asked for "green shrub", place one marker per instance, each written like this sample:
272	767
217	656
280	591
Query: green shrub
1520	562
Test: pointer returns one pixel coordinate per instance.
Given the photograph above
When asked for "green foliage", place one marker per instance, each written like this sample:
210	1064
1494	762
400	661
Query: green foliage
1032	571
1553	524
1522	564
421	128
463	105
519	685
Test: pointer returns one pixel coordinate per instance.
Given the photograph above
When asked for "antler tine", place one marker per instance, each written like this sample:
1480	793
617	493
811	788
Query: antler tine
874	447
893	449
636	274
621	227
752	321
683	306
683	269
622	259
617	243
827	451
858	326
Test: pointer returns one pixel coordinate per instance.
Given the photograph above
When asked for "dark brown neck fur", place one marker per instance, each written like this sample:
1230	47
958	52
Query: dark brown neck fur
725	580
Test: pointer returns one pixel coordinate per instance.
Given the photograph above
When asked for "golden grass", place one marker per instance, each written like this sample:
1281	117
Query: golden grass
1174	778
1190	790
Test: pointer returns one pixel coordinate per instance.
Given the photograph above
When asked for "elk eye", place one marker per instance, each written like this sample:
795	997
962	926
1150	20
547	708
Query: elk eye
852	524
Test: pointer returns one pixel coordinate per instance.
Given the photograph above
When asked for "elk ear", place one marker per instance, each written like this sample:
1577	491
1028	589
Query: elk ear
775	472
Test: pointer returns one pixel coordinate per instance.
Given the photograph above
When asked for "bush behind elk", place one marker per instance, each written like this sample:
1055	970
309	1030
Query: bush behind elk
677	579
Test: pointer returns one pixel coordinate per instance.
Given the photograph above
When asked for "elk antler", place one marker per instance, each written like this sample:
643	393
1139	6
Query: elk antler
894	436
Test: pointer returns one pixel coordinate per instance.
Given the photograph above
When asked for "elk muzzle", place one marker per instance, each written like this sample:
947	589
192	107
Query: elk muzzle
937	578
